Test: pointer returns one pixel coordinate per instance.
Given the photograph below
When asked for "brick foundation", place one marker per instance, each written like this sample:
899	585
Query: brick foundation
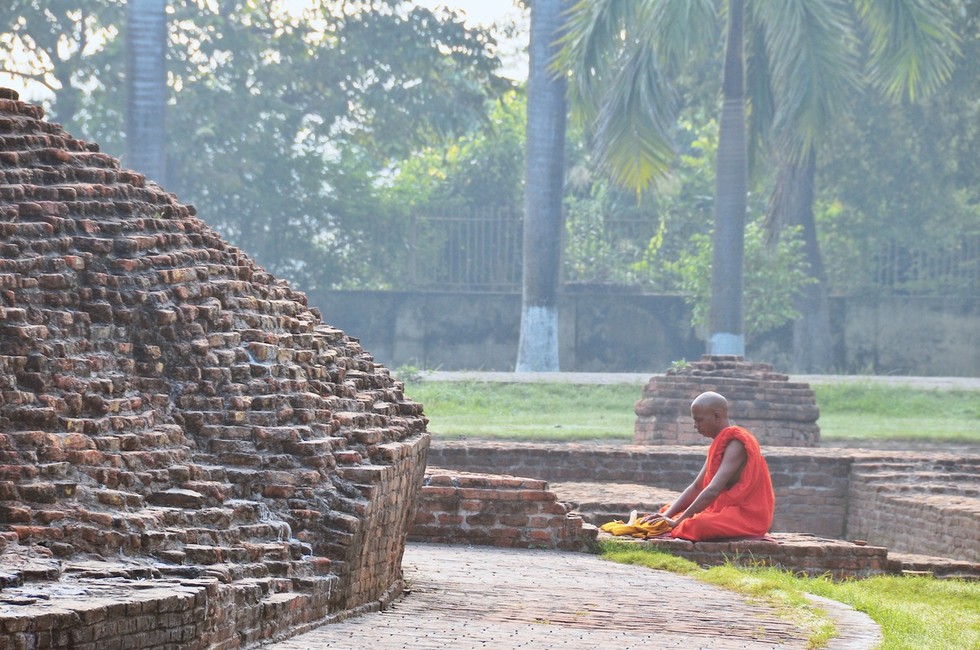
493	510
918	503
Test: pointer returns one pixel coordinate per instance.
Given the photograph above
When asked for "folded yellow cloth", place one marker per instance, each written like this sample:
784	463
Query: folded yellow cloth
634	528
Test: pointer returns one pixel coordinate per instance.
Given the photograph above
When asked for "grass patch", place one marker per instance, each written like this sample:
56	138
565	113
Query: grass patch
915	613
567	412
865	411
527	411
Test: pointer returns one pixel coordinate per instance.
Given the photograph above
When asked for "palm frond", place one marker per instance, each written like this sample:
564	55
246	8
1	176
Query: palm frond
679	29
632	140
593	35
913	45
811	47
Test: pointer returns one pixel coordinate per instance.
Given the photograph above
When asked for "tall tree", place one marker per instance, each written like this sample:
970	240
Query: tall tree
804	57
543	183
726	327
146	88
912	47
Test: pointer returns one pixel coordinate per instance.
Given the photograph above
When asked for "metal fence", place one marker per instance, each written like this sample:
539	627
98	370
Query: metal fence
902	269
472	250
481	250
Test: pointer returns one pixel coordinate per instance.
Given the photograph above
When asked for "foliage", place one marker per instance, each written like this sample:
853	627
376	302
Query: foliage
904	174
481	168
280	125
773	278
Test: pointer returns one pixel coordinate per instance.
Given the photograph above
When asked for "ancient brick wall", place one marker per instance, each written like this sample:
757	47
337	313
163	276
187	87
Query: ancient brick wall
927	506
165	400
912	503
494	510
811	488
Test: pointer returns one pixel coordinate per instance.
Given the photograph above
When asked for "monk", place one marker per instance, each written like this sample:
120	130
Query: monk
732	495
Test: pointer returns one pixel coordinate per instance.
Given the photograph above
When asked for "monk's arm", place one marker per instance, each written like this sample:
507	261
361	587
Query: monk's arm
732	460
688	495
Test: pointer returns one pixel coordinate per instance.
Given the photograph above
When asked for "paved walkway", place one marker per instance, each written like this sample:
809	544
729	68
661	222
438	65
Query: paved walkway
499	599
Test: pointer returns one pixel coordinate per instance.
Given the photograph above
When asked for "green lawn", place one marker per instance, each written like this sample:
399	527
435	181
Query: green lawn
565	412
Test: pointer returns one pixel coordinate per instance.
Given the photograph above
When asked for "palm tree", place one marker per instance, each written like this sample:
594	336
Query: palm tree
146	87
725	318
543	182
805	62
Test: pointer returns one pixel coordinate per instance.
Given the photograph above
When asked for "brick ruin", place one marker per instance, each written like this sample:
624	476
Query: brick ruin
779	412
171	412
922	507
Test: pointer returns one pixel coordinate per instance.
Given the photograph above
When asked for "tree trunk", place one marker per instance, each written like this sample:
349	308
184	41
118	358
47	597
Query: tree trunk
146	88
725	317
543	182
792	205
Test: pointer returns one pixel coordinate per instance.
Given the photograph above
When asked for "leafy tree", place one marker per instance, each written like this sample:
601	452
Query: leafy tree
479	169
774	275
801	63
437	199
66	47
280	125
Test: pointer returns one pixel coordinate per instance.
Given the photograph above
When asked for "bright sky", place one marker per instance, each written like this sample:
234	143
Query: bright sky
485	13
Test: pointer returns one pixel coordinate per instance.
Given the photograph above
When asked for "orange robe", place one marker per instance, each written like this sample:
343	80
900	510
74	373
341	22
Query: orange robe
743	510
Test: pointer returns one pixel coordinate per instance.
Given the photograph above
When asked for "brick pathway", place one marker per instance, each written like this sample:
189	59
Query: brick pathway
498	599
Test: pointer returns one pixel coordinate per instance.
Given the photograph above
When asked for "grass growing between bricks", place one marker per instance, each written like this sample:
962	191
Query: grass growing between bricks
556	412
915	612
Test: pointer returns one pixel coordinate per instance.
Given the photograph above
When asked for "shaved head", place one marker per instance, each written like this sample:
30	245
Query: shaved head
711	401
710	413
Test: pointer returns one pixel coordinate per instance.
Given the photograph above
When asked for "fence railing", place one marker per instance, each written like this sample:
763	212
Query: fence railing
902	269
481	250
475	250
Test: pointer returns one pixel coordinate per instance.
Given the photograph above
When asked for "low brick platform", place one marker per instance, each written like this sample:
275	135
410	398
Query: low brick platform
778	411
495	510
96	605
805	554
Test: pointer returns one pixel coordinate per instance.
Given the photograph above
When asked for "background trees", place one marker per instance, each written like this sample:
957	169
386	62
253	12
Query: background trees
314	140
281	126
802	62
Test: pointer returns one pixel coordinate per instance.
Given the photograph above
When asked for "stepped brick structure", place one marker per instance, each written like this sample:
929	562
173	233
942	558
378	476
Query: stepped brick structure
167	404
778	411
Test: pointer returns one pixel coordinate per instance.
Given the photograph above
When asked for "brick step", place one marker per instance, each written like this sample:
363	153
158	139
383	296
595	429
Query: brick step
277	558
967	465
926	488
913	564
949	478
205	471
237	513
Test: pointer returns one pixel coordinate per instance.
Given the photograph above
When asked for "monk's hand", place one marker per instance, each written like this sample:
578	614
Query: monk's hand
657	516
